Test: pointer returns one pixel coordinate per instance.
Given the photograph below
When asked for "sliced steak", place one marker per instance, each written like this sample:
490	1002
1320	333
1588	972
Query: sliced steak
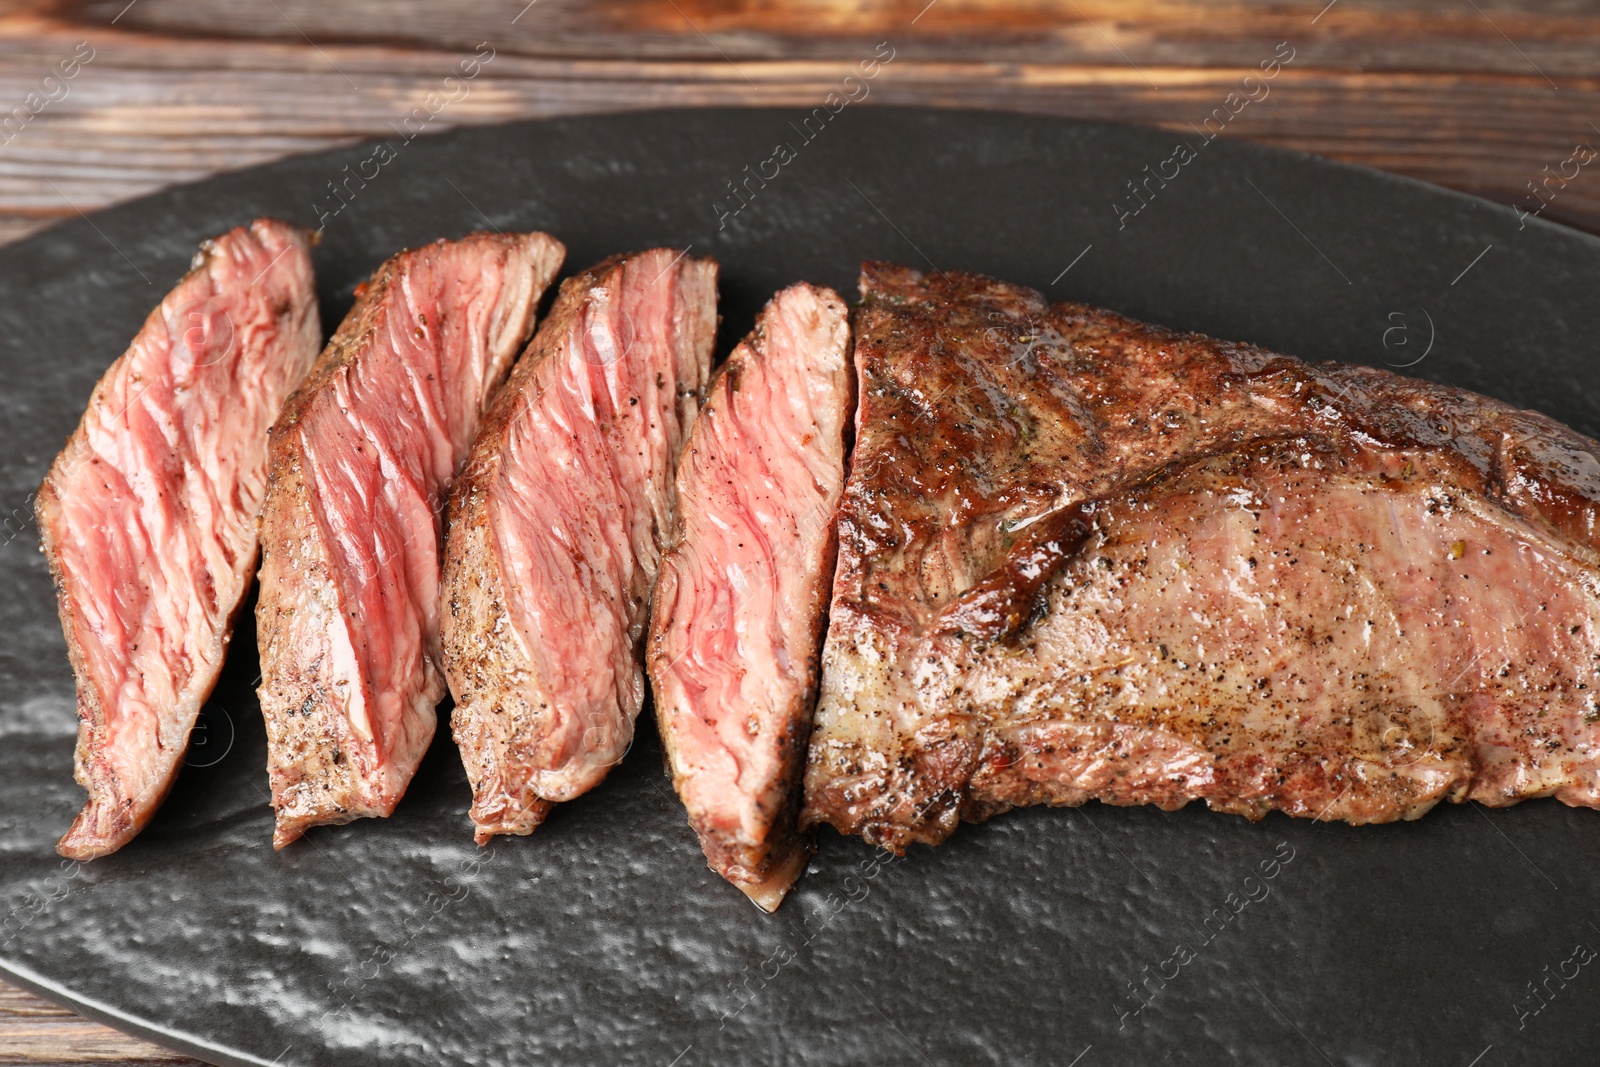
362	459
148	516
556	529
736	627
1085	558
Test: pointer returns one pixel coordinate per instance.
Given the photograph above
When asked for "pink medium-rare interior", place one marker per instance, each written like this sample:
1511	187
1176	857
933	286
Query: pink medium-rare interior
152	510
583	499
758	491
381	443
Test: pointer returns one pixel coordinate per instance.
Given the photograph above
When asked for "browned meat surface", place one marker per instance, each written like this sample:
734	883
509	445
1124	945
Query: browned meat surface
148	516
1085	558
556	528
736	627
362	459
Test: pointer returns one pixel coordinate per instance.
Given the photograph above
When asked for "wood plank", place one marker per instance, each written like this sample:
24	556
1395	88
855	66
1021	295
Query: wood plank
35	1032
149	111
1556	36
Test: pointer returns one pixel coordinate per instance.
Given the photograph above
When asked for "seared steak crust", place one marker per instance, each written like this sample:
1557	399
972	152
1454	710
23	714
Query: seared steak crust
361	462
148	516
556	528
1085	558
736	627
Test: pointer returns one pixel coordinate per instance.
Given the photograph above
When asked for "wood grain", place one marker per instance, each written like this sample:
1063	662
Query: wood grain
1478	96
33	1032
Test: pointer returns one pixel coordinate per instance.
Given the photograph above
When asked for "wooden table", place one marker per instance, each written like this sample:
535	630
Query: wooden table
1477	95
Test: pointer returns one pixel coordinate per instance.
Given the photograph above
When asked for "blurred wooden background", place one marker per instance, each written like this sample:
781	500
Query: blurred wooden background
1477	95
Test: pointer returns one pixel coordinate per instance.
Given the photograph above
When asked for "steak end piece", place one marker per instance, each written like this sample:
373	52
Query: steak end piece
362	461
557	524
1085	558
148	516
739	610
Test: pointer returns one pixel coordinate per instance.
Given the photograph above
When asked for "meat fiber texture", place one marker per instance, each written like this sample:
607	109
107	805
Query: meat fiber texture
362	462
556	530
1085	558
148	516
739	609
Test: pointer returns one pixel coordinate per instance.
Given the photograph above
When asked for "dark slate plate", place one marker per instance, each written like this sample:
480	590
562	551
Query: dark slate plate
1088	937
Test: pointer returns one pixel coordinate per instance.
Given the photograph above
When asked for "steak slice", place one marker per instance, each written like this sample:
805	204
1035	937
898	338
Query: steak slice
1085	558
148	516
348	618
736	627
556	529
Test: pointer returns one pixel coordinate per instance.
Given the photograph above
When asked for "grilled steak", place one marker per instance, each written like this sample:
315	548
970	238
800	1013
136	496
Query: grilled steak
736	626
348	618
1085	558
148	516
556	528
